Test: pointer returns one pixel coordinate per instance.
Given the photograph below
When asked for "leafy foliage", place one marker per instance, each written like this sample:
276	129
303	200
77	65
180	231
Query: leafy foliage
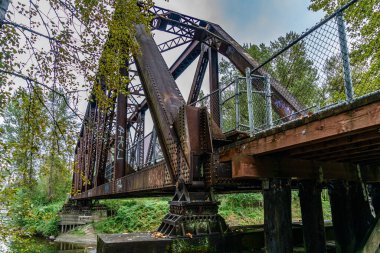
292	69
71	45
36	177
134	215
363	25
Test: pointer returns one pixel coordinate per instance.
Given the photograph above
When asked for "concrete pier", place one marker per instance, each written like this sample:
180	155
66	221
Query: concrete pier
245	239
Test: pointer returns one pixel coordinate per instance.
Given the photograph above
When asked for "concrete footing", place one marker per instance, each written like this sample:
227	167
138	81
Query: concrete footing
241	240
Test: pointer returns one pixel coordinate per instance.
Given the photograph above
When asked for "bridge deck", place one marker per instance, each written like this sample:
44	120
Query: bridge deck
327	145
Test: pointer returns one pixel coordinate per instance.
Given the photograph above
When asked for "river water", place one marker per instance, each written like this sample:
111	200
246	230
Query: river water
37	245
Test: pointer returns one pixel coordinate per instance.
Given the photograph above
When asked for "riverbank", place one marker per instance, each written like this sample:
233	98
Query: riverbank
83	235
145	215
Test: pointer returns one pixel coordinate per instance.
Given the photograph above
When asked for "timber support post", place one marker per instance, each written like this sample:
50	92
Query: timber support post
342	217
363	218
374	193
278	216
312	216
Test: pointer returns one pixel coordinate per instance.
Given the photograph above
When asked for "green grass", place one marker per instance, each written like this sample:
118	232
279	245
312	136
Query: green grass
78	231
145	214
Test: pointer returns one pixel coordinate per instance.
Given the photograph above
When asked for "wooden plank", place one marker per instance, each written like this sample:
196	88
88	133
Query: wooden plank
365	118
352	140
269	167
350	147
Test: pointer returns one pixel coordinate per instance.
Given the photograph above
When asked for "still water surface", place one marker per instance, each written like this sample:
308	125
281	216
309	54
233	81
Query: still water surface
36	245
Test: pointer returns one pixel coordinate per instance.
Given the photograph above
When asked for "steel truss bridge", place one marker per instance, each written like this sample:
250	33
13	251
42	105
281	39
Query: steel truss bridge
254	133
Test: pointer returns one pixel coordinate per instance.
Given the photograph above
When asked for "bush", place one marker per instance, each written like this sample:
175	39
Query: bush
134	215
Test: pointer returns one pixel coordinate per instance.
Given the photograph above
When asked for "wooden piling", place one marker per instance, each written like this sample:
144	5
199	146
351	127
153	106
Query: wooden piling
277	216
312	216
361	212
374	193
342	216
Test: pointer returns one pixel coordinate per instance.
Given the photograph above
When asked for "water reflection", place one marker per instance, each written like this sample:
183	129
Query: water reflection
33	245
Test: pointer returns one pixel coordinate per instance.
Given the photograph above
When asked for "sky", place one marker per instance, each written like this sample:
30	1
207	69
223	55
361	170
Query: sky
250	21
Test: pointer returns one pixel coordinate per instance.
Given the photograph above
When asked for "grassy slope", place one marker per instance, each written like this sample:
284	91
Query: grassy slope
146	214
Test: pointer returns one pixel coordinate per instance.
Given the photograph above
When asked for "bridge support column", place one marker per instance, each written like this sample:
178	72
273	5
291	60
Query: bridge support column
121	134
361	211
342	217
278	216
374	193
312	216
192	212
351	213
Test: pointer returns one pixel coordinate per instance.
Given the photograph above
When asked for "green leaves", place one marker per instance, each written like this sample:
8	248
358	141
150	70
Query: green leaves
363	25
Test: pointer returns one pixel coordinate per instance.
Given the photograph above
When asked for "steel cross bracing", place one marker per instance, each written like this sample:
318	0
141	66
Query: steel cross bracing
115	155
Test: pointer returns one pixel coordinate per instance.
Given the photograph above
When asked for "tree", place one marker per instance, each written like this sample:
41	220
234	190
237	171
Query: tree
292	69
24	127
38	139
363	27
70	44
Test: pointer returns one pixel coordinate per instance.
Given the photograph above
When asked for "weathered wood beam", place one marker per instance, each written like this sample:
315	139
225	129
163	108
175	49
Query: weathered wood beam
343	150
334	145
362	119
269	167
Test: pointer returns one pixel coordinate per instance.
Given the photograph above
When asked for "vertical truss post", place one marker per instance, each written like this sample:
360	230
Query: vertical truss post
237	108
214	85
268	101
248	79
86	138
220	108
345	56
151	156
140	140
120	140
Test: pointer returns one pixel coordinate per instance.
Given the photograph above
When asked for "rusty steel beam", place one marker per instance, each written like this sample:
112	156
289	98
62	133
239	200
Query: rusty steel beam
173	43
185	59
214	84
198	76
120	139
163	97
